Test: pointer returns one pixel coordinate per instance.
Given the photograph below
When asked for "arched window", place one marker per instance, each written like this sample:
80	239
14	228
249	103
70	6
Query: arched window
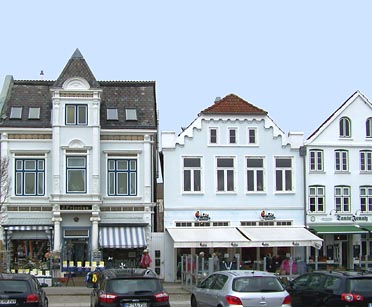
369	127
345	127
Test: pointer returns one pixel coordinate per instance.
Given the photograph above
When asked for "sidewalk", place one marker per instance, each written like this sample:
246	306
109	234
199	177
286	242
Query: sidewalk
171	288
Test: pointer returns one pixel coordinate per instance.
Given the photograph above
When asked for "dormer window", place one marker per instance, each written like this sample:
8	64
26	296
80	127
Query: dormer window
130	114
16	113
34	113
369	127
76	114
345	127
112	114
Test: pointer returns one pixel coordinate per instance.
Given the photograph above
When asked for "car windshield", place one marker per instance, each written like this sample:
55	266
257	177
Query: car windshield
133	285
8	286
257	284
360	285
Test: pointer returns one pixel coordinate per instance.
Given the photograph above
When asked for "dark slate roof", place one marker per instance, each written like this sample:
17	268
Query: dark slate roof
233	104
115	94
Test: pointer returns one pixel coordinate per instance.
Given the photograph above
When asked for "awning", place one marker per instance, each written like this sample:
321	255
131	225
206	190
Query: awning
338	229
187	237
122	237
30	235
281	236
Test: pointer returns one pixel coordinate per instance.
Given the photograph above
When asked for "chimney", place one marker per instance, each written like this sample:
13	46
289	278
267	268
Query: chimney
217	99
42	75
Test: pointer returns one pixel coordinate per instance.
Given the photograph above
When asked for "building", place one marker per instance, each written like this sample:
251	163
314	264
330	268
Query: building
339	184
82	163
234	187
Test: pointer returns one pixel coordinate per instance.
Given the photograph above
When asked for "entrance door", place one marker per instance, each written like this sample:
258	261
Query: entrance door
76	250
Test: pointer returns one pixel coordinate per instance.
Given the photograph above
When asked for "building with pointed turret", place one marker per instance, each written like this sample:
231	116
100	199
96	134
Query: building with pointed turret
82	164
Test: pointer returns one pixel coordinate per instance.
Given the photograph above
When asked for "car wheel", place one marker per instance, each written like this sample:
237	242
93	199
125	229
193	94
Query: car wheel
194	303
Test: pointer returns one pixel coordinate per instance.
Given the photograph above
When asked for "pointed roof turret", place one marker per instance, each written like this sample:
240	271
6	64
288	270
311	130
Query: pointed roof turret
77	67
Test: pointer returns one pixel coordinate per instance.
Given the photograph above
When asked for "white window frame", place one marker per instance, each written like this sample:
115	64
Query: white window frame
131	114
25	174
369	127
216	136
341	160
366	161
316	160
232	135
194	173
15	113
282	173
33	113
316	199
82	169
76	109
115	173
345	127
228	173
365	193
254	130
112	114
253	173
342	199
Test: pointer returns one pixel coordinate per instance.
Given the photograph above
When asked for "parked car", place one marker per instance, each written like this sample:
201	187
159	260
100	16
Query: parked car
131	287
21	290
331	288
240	287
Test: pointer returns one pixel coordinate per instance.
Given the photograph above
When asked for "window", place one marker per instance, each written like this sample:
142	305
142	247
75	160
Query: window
255	174
16	113
341	160
30	177
130	114
225	175
366	198
342	198
345	127
252	138
232	135
366	161
76	174
283	174
192	174
34	113
122	177
316	198
316	160
112	114
369	127
213	135
76	114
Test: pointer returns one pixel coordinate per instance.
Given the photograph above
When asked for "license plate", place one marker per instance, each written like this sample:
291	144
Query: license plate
135	304
7	301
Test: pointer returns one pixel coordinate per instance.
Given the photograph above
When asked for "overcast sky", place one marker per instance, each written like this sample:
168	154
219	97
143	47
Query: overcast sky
298	60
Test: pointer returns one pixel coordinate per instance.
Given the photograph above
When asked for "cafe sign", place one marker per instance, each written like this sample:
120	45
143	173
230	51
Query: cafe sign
352	218
201	216
267	216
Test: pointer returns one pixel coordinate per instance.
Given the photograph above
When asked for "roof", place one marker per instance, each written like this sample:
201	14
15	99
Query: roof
118	95
233	104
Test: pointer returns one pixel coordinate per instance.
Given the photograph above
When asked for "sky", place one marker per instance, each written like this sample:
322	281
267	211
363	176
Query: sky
297	60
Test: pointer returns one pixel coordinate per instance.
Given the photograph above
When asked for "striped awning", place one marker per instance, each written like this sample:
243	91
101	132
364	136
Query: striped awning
27	227
122	237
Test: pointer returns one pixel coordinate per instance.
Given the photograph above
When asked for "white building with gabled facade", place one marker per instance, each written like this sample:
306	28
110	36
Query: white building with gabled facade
234	186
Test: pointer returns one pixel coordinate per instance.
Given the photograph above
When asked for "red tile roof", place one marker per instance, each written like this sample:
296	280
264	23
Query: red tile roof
232	104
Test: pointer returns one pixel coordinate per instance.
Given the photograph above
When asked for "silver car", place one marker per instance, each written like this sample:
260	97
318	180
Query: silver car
245	288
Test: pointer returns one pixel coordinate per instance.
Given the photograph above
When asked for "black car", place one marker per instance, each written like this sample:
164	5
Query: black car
132	287
21	290
331	289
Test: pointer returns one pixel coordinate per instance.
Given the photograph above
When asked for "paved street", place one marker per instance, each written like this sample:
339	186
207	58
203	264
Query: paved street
79	296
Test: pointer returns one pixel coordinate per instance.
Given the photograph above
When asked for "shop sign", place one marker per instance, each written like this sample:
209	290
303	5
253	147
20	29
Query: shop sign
267	216
202	216
352	218
73	207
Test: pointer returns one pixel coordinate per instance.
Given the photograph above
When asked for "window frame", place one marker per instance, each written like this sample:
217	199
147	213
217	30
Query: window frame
365	198
16	112
76	109
369	127
340	198
345	127
112	114
285	174
316	160
228	175
365	161
195	175
70	169
213	136
34	113
255	175
131	114
232	137
341	160
316	199
22	176
254	130
130	174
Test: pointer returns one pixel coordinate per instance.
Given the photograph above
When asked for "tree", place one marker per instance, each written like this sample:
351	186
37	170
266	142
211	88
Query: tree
4	186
